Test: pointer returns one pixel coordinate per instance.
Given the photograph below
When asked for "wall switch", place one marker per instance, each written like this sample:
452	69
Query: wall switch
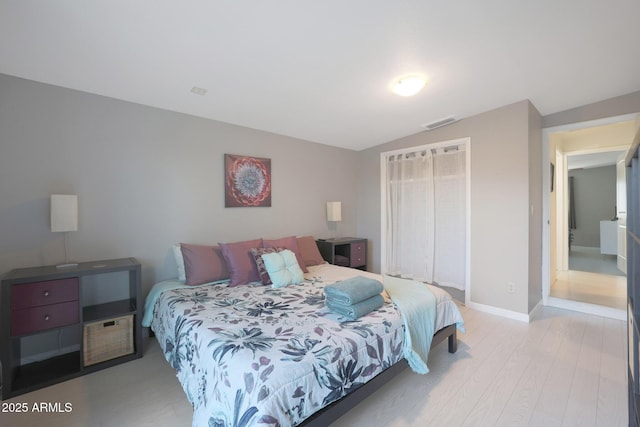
511	287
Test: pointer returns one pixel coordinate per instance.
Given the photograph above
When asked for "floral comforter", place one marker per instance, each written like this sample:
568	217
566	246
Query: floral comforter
257	356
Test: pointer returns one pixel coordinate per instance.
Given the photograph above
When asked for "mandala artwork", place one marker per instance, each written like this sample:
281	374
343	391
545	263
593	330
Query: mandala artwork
247	181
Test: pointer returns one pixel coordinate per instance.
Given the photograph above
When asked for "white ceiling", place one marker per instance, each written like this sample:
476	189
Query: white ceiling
321	70
594	160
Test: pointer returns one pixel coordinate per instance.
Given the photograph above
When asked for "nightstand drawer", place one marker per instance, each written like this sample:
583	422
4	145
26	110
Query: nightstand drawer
37	294
358	254
29	320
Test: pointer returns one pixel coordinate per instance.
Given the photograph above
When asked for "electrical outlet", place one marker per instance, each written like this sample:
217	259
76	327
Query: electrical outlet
511	287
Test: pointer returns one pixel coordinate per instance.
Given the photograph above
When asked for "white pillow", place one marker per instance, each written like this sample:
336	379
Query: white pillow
283	268
177	253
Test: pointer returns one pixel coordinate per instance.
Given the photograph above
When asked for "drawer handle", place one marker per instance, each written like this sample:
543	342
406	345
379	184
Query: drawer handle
45	293
46	317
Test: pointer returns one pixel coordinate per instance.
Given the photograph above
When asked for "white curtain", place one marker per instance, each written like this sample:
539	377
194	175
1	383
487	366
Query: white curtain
410	214
426	215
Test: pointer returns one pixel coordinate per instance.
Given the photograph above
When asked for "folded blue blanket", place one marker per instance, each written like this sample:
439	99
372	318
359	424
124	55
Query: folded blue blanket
353	311
353	290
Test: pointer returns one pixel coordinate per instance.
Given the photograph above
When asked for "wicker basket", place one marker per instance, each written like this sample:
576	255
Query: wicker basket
108	339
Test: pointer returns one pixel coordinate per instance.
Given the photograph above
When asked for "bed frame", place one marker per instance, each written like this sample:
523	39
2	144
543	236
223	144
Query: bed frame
335	410
332	412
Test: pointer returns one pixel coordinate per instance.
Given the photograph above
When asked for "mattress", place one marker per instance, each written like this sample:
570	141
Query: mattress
254	355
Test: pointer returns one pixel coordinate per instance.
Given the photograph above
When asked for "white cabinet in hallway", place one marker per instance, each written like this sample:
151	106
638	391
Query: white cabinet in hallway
609	237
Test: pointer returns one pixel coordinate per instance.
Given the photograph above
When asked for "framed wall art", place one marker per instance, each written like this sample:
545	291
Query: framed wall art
247	181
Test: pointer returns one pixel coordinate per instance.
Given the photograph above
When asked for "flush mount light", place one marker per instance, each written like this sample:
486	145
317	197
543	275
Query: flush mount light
409	85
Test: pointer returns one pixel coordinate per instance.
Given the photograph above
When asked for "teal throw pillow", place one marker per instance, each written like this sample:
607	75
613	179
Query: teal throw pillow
283	268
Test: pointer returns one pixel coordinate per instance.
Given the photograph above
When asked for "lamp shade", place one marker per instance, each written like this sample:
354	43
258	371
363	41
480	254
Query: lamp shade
334	211
64	212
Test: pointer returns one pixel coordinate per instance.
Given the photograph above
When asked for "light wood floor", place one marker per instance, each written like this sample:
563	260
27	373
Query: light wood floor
592	288
563	368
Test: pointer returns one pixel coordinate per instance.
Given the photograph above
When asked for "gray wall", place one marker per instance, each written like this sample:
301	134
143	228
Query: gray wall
535	207
500	160
147	178
506	190
595	199
618	106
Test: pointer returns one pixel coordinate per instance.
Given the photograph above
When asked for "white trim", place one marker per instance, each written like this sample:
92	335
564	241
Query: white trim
583	307
383	213
624	148
546	194
534	312
509	314
466	142
592	123
449	143
514	315
467	293
562	211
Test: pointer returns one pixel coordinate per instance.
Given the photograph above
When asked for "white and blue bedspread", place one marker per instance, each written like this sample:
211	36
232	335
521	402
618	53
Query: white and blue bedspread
257	356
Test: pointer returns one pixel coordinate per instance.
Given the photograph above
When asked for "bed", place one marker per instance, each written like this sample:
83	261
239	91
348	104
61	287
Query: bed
256	355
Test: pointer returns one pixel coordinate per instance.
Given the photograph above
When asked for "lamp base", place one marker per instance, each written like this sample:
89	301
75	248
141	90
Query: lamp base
67	265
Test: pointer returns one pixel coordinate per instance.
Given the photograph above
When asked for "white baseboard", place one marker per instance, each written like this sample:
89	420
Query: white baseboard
583	307
500	311
534	312
598	310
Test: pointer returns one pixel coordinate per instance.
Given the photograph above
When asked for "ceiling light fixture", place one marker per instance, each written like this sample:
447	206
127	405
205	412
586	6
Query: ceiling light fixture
409	85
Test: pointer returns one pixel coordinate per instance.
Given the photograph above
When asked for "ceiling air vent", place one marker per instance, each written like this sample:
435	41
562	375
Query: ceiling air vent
440	123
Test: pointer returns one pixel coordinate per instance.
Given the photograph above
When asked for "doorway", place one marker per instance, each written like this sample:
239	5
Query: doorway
583	269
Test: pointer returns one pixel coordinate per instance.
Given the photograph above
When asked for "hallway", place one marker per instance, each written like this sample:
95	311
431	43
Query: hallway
582	258
592	288
593	278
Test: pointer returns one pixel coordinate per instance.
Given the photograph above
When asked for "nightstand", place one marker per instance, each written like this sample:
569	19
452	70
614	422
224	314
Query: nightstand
344	251
58	324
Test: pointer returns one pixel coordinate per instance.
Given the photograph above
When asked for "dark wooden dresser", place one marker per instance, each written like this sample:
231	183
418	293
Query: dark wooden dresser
56	323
